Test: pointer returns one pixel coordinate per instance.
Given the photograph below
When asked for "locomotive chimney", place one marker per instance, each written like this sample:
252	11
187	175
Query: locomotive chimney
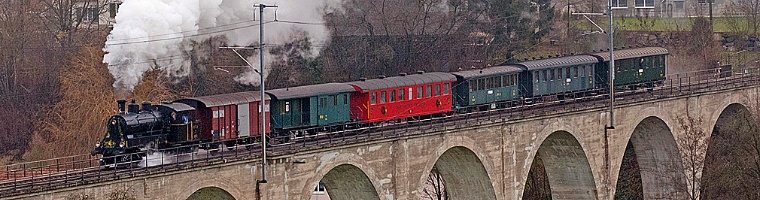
146	106
122	105
133	107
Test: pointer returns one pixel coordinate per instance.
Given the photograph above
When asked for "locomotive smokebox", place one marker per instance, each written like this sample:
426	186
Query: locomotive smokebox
133	107
146	106
122	105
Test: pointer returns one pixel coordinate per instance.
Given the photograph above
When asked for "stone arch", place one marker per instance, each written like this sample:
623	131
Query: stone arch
726	153
210	193
207	180
567	168
458	141
347	181
464	174
651	161
349	161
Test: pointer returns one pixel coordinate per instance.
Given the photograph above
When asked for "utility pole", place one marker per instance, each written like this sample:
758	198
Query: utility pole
263	102
262	106
710	2
609	128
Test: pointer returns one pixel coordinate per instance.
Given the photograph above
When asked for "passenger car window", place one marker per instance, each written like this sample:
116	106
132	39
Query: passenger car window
382	97
419	92
373	98
393	95
401	94
428	91
446	88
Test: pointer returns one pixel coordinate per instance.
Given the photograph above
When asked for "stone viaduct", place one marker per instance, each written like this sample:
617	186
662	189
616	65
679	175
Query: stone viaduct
487	160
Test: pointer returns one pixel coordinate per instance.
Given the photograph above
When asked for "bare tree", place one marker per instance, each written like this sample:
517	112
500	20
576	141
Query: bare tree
435	188
693	144
73	20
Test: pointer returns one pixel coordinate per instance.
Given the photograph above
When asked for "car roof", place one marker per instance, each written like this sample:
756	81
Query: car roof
403	80
559	62
632	53
176	106
228	99
310	90
503	69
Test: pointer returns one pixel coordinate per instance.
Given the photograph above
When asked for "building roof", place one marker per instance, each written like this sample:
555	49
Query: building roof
559	62
404	80
228	99
632	53
310	90
475	73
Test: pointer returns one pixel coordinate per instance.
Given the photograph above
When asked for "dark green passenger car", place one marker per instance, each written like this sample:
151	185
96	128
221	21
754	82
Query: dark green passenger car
486	86
639	67
308	106
562	76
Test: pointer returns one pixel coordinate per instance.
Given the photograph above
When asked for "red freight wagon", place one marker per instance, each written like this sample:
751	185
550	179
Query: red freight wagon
401	96
229	116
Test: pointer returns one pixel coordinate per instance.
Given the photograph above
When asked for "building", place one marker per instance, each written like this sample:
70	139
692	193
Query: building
96	12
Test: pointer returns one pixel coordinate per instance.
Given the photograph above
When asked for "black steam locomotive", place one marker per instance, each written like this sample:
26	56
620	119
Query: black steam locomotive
134	131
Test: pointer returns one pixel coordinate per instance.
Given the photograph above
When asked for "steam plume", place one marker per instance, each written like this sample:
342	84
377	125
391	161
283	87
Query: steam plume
152	34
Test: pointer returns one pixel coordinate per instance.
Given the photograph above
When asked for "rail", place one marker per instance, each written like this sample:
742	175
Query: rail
38	176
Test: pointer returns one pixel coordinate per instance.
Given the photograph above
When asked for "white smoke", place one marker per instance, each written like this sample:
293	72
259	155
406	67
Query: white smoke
151	34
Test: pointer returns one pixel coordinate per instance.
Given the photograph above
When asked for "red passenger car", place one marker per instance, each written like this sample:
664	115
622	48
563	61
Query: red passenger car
229	116
401	97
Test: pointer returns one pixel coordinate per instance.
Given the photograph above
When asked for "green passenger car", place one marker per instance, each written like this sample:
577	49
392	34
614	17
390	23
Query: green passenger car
486	86
562	76
311	105
639	67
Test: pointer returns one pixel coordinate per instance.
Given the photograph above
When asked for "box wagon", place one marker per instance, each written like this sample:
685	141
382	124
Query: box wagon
234	118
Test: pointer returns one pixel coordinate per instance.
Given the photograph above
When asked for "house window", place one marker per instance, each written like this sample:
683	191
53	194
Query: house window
88	14
373	98
382	97
679	4
619	3
647	3
320	189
